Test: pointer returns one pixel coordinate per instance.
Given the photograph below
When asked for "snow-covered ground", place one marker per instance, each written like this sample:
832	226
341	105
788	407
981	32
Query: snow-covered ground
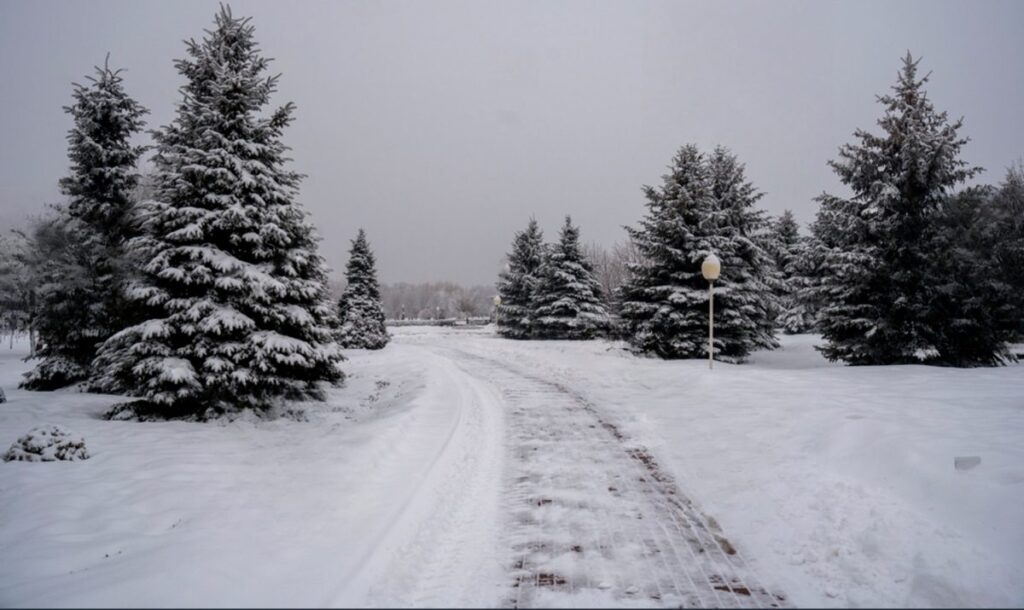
457	468
338	510
839	482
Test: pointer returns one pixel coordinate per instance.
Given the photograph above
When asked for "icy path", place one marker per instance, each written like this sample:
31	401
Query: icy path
590	518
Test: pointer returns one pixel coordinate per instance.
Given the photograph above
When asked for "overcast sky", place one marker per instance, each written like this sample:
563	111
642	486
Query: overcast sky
441	127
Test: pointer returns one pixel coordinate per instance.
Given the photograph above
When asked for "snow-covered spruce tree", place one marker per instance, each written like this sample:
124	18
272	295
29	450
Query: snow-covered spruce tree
664	301
790	250
805	304
785	235
874	288
567	302
360	313
776	241
80	303
745	293
704	205
236	294
517	282
1006	232
970	314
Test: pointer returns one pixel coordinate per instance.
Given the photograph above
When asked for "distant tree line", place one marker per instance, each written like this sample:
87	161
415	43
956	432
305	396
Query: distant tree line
436	300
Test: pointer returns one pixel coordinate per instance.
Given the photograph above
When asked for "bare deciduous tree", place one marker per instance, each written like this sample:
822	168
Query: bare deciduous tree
611	266
436	300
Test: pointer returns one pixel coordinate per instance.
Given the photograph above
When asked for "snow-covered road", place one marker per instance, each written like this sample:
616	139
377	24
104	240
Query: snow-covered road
590	518
534	499
440	547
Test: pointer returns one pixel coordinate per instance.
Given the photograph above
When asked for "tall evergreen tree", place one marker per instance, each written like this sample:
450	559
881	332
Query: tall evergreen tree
970	315
516	284
235	292
360	313
567	301
705	205
745	300
878	240
80	304
664	301
1006	234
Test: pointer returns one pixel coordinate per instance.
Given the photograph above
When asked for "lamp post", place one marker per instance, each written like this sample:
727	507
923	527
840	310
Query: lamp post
710	269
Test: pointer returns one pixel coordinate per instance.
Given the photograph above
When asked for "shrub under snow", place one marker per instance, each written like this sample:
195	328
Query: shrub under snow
47	444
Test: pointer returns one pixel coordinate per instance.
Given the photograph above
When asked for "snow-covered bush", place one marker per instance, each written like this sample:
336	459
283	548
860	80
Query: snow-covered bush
47	444
3	398
135	410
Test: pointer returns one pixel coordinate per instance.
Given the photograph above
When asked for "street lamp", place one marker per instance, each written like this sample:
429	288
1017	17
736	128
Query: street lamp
710	269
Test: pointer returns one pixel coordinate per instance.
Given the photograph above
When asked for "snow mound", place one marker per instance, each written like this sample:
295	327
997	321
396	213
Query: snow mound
47	444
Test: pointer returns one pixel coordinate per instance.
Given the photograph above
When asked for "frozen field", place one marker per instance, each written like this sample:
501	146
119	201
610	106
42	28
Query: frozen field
457	468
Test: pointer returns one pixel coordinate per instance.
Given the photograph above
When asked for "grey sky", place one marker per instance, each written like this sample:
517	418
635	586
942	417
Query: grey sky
440	127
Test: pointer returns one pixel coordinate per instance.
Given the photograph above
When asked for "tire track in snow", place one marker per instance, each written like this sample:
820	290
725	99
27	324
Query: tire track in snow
592	518
438	547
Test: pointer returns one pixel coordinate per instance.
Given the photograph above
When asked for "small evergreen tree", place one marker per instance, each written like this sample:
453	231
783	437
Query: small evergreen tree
705	205
877	241
360	313
235	293
785	237
516	284
81	304
567	301
806	302
792	260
